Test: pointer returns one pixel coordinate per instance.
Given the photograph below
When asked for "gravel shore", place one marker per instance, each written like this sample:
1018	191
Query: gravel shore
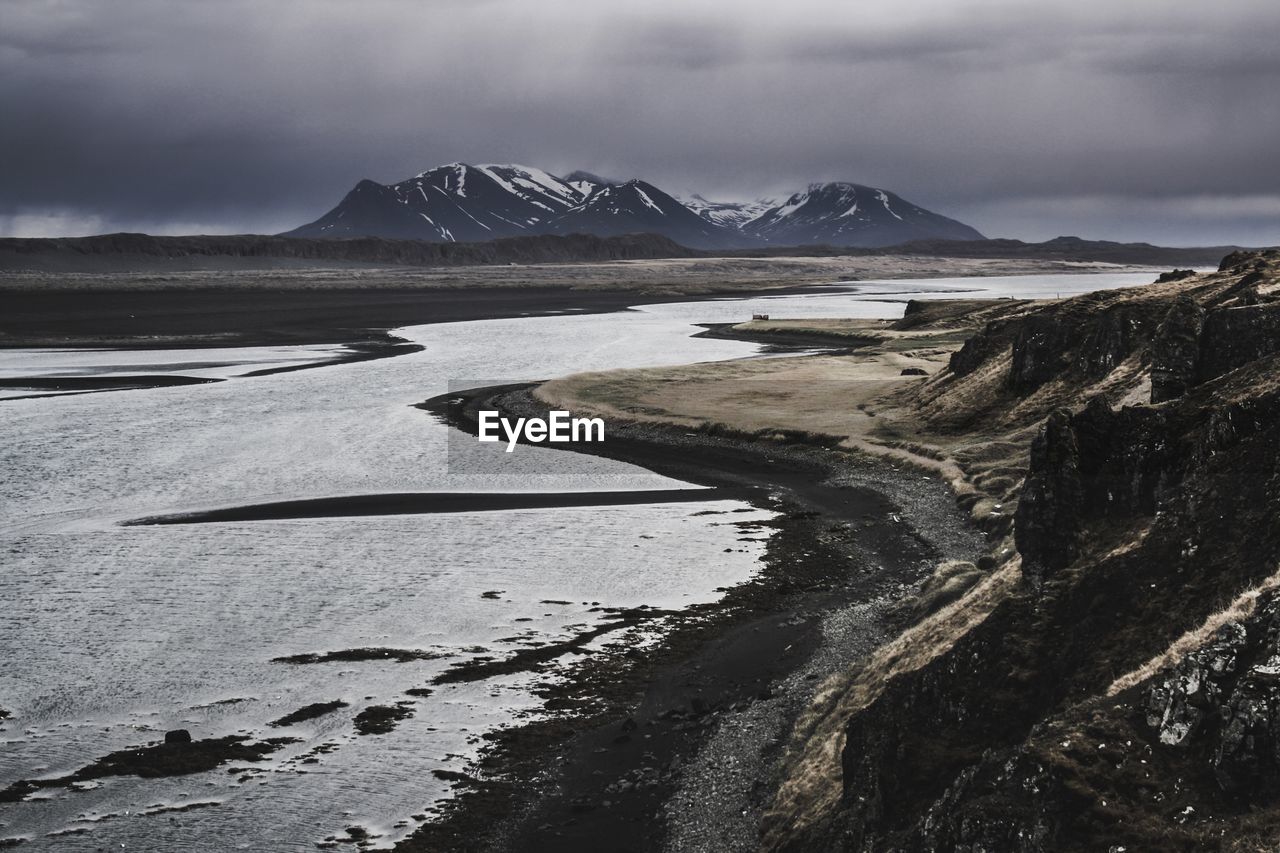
677	747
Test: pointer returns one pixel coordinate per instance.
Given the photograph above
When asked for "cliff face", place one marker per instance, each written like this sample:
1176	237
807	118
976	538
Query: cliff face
1125	690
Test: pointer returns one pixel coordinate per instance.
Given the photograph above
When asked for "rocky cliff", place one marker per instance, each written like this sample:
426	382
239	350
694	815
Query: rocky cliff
1114	682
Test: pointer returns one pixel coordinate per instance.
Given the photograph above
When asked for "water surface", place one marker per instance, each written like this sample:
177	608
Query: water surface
115	634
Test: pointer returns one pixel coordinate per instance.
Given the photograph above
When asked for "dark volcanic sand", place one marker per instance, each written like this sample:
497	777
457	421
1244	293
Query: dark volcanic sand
676	744
243	316
386	346
413	503
632	756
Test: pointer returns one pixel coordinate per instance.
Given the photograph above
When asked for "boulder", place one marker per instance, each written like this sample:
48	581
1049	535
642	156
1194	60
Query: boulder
1225	697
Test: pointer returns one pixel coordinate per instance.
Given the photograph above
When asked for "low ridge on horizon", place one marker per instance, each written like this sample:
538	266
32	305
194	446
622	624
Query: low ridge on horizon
459	202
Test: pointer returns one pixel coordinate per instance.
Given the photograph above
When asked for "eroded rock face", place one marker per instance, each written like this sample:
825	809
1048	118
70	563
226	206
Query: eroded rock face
992	339
1094	464
1084	341
1184	696
1175	350
967	359
1233	337
1040	351
1187	340
1193	346
1050	510
1135	525
1224	698
1128	461
1109	341
960	820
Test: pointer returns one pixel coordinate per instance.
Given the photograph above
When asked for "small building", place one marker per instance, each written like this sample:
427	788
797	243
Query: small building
759	316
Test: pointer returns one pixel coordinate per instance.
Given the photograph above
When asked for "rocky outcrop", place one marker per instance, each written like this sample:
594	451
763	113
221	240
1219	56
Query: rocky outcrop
1110	340
1223	699
1051	509
1085	341
1233	337
1191	331
1095	464
1040	351
1193	346
1189	760
1175	352
1091	709
976	350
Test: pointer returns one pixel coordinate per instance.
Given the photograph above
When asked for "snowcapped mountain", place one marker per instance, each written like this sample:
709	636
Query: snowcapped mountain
456	202
639	206
463	203
586	181
731	214
842	214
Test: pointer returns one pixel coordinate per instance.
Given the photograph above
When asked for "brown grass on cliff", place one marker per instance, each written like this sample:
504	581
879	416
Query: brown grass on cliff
812	789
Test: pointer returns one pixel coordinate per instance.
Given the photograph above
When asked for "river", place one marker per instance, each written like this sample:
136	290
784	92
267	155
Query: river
115	634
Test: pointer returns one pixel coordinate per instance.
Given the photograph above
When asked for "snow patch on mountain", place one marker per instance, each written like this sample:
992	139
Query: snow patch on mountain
461	202
731	214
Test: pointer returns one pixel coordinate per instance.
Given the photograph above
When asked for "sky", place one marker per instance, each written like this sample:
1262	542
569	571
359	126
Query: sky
1107	119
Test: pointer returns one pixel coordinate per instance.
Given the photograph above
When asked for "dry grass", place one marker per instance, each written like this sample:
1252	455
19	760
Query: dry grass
812	788
862	400
1240	608
971	429
949	581
837	396
857	398
853	328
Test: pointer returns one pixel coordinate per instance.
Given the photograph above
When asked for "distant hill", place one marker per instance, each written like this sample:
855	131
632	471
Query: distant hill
1070	249
127	252
459	202
143	252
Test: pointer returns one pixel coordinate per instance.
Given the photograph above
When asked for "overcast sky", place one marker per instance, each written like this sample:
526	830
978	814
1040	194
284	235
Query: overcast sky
1117	119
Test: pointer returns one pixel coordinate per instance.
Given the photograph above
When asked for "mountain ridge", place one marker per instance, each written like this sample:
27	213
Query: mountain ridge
839	211
458	202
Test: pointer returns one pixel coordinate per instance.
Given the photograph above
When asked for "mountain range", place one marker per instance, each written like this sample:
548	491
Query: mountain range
463	203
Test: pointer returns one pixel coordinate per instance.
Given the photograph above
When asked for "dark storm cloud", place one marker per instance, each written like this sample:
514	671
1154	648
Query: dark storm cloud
1133	120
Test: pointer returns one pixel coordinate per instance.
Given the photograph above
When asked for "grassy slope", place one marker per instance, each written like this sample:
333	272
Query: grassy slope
984	724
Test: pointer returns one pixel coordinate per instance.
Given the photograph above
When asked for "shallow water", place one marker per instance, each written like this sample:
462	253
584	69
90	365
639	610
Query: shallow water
115	634
220	363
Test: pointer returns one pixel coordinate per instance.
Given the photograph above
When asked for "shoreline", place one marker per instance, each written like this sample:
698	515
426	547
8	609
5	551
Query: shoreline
777	342
226	317
622	749
372	348
264	307
427	503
